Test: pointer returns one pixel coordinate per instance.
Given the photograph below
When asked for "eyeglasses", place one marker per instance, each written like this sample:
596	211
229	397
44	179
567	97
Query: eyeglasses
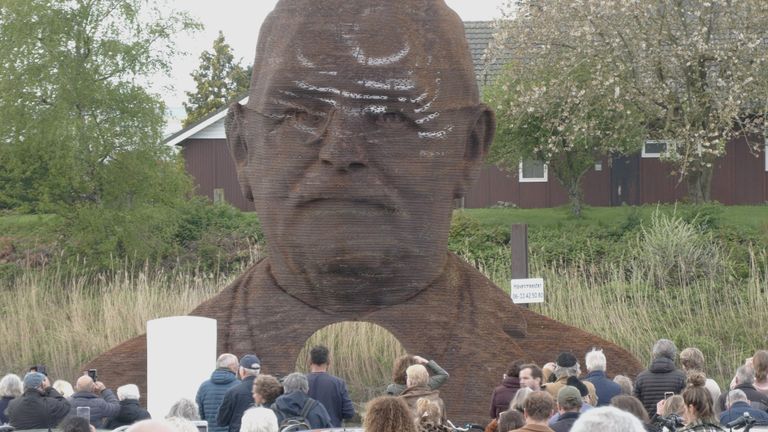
370	120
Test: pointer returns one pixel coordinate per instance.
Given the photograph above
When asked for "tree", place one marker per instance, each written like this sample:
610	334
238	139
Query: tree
564	112
74	112
80	136
696	70
218	80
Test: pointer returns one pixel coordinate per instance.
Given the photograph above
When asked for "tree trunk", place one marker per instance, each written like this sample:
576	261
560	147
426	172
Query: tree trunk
700	185
575	195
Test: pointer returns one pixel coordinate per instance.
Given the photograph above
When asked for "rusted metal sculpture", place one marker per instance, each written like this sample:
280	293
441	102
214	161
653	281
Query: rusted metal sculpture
363	125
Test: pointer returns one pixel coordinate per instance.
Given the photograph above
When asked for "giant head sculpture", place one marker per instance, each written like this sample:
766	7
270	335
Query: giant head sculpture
363	124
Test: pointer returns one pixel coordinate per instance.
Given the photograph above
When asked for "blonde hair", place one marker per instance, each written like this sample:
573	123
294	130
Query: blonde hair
416	375
674	405
64	388
692	359
518	401
428	411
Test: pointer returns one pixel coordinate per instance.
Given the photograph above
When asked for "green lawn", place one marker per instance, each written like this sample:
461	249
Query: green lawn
743	216
28	230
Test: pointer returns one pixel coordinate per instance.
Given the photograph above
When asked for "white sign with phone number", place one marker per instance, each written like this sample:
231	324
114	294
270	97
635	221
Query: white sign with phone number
527	290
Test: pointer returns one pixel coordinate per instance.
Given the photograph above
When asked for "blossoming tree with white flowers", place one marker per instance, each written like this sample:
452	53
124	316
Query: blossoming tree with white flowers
591	77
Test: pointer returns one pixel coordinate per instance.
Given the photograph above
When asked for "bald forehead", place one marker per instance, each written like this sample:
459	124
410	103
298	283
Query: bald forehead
381	45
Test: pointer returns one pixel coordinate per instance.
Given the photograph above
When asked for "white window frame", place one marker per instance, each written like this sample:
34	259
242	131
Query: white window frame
522	179
765	153
647	155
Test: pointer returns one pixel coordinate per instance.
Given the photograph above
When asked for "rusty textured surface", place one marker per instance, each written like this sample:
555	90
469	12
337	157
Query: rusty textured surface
363	124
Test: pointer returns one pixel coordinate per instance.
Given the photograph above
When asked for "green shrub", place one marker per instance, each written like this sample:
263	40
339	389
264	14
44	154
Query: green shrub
193	234
100	236
671	251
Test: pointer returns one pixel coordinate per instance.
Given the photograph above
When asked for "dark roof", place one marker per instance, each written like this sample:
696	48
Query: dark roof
479	35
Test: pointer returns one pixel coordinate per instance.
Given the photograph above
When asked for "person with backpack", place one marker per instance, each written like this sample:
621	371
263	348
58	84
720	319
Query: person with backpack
295	407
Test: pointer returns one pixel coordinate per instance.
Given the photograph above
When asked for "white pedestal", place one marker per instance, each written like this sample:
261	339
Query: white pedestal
181	354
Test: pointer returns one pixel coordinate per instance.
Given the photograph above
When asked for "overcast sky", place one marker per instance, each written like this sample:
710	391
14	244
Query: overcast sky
240	21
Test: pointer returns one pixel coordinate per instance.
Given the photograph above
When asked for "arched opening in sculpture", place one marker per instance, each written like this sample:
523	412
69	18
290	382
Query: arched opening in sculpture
361	353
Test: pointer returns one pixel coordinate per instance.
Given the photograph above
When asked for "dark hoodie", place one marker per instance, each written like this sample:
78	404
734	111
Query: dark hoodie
662	376
211	394
291	404
502	395
130	413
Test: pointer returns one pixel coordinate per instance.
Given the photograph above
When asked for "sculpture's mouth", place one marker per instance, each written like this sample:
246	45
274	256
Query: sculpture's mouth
361	206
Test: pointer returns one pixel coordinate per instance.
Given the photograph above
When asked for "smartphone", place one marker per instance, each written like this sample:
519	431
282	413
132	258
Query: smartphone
92	374
39	368
668	395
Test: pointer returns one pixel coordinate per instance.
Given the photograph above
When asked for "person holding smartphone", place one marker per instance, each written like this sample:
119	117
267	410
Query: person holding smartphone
102	402
40	407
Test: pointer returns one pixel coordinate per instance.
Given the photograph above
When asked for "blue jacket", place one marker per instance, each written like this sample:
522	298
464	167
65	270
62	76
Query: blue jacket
738	409
103	407
332	392
604	388
291	405
210	395
237	399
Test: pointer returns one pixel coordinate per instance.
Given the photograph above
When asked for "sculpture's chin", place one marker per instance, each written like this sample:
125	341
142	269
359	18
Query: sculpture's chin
360	282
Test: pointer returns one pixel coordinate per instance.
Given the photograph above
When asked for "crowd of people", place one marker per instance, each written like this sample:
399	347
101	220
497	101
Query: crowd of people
557	396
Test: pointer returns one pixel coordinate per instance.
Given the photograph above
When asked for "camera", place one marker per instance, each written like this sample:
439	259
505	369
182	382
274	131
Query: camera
743	421
92	374
671	422
39	368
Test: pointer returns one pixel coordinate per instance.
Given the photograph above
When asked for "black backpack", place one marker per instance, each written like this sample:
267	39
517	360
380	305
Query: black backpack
299	422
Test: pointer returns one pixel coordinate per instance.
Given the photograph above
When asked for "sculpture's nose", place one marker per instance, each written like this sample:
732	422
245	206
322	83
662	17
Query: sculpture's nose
343	143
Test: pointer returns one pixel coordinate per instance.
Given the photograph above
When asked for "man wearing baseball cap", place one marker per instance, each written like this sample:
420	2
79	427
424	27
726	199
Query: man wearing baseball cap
240	397
40	407
568	405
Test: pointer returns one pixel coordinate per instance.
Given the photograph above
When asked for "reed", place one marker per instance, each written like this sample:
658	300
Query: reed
64	319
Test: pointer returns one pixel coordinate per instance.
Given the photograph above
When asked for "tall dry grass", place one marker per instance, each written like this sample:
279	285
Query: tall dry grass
361	353
63	320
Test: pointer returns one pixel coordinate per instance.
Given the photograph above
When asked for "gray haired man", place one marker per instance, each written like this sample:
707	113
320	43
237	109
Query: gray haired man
745	381
211	393
661	376
240	397
295	405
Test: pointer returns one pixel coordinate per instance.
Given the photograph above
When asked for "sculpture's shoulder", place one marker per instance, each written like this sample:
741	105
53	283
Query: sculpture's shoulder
237	292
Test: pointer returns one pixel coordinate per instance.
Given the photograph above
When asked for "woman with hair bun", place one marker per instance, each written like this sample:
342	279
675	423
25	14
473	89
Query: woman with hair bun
699	411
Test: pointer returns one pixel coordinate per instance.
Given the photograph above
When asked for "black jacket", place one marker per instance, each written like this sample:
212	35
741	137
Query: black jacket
34	410
661	377
130	413
237	399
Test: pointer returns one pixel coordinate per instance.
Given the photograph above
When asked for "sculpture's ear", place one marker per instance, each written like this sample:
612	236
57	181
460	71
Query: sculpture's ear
238	147
477	146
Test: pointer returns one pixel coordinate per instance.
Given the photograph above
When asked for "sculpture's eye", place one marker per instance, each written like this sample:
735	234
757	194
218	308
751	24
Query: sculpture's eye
305	119
388	118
